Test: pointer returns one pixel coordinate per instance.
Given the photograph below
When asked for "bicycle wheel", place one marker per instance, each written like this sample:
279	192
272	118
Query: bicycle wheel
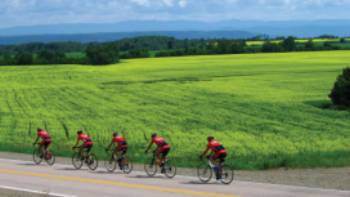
127	165
150	167
110	165
92	162
50	158
227	175
204	173
77	161
37	158
169	169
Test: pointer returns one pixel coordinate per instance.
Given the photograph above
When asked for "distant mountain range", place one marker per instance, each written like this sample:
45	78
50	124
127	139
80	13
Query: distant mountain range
179	29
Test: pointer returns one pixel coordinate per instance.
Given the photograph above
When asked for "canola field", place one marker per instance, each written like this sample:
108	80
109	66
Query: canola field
269	110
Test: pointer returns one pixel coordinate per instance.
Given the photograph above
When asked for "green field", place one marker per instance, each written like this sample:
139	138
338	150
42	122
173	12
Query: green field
316	41
269	110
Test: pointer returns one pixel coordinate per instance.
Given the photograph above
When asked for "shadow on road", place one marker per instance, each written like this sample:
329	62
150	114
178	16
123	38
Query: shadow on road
147	177
105	172
28	164
71	169
199	183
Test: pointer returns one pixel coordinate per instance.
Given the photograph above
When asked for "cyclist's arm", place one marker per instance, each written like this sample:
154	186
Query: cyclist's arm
205	152
76	143
36	140
110	144
149	146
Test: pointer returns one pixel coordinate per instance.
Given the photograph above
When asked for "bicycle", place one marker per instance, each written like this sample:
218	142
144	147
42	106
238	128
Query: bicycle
123	161
151	167
205	172
39	156
90	160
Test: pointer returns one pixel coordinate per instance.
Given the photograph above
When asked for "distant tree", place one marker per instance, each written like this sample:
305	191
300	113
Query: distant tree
342	40
309	45
271	47
238	46
7	59
101	54
50	57
327	45
289	44
327	36
24	58
340	94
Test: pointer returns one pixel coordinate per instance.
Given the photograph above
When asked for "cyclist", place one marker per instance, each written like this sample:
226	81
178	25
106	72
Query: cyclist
45	141
217	156
121	146
162	150
86	146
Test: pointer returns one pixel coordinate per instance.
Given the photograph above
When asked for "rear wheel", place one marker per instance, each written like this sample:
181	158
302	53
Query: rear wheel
110	165
150	167
50	158
77	161
37	157
204	173
92	162
169	169
127	165
227	175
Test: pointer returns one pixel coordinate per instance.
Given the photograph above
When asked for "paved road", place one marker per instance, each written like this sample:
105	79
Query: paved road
63	180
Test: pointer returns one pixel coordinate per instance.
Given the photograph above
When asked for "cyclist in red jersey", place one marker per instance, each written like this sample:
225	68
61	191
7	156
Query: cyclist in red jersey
217	155
87	144
121	146
45	141
162	150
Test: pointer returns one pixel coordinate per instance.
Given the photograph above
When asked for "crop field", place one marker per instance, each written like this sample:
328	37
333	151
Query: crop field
269	110
317	41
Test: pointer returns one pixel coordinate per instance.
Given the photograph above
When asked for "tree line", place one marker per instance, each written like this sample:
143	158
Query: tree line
143	47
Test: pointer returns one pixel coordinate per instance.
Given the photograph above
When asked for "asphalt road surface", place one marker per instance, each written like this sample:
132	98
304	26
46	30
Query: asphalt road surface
62	180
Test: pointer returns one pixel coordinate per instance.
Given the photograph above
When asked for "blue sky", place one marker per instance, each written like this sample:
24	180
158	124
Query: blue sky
32	12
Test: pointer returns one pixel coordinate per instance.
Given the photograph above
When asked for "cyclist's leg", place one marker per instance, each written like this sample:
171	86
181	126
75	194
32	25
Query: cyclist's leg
46	146
115	155
219	162
81	151
158	156
164	155
42	149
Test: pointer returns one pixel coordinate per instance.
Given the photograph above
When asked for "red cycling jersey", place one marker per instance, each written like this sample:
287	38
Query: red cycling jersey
216	147
44	136
85	138
120	141
161	144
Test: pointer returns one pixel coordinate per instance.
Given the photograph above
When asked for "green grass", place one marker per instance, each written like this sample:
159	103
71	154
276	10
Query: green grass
269	110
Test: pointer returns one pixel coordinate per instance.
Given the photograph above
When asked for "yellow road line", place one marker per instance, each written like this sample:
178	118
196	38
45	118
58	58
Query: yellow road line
114	183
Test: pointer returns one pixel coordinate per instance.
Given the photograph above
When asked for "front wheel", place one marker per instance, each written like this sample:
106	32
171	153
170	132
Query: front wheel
169	169
150	167
37	157
227	175
50	158
110	165
77	161
92	162
204	173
